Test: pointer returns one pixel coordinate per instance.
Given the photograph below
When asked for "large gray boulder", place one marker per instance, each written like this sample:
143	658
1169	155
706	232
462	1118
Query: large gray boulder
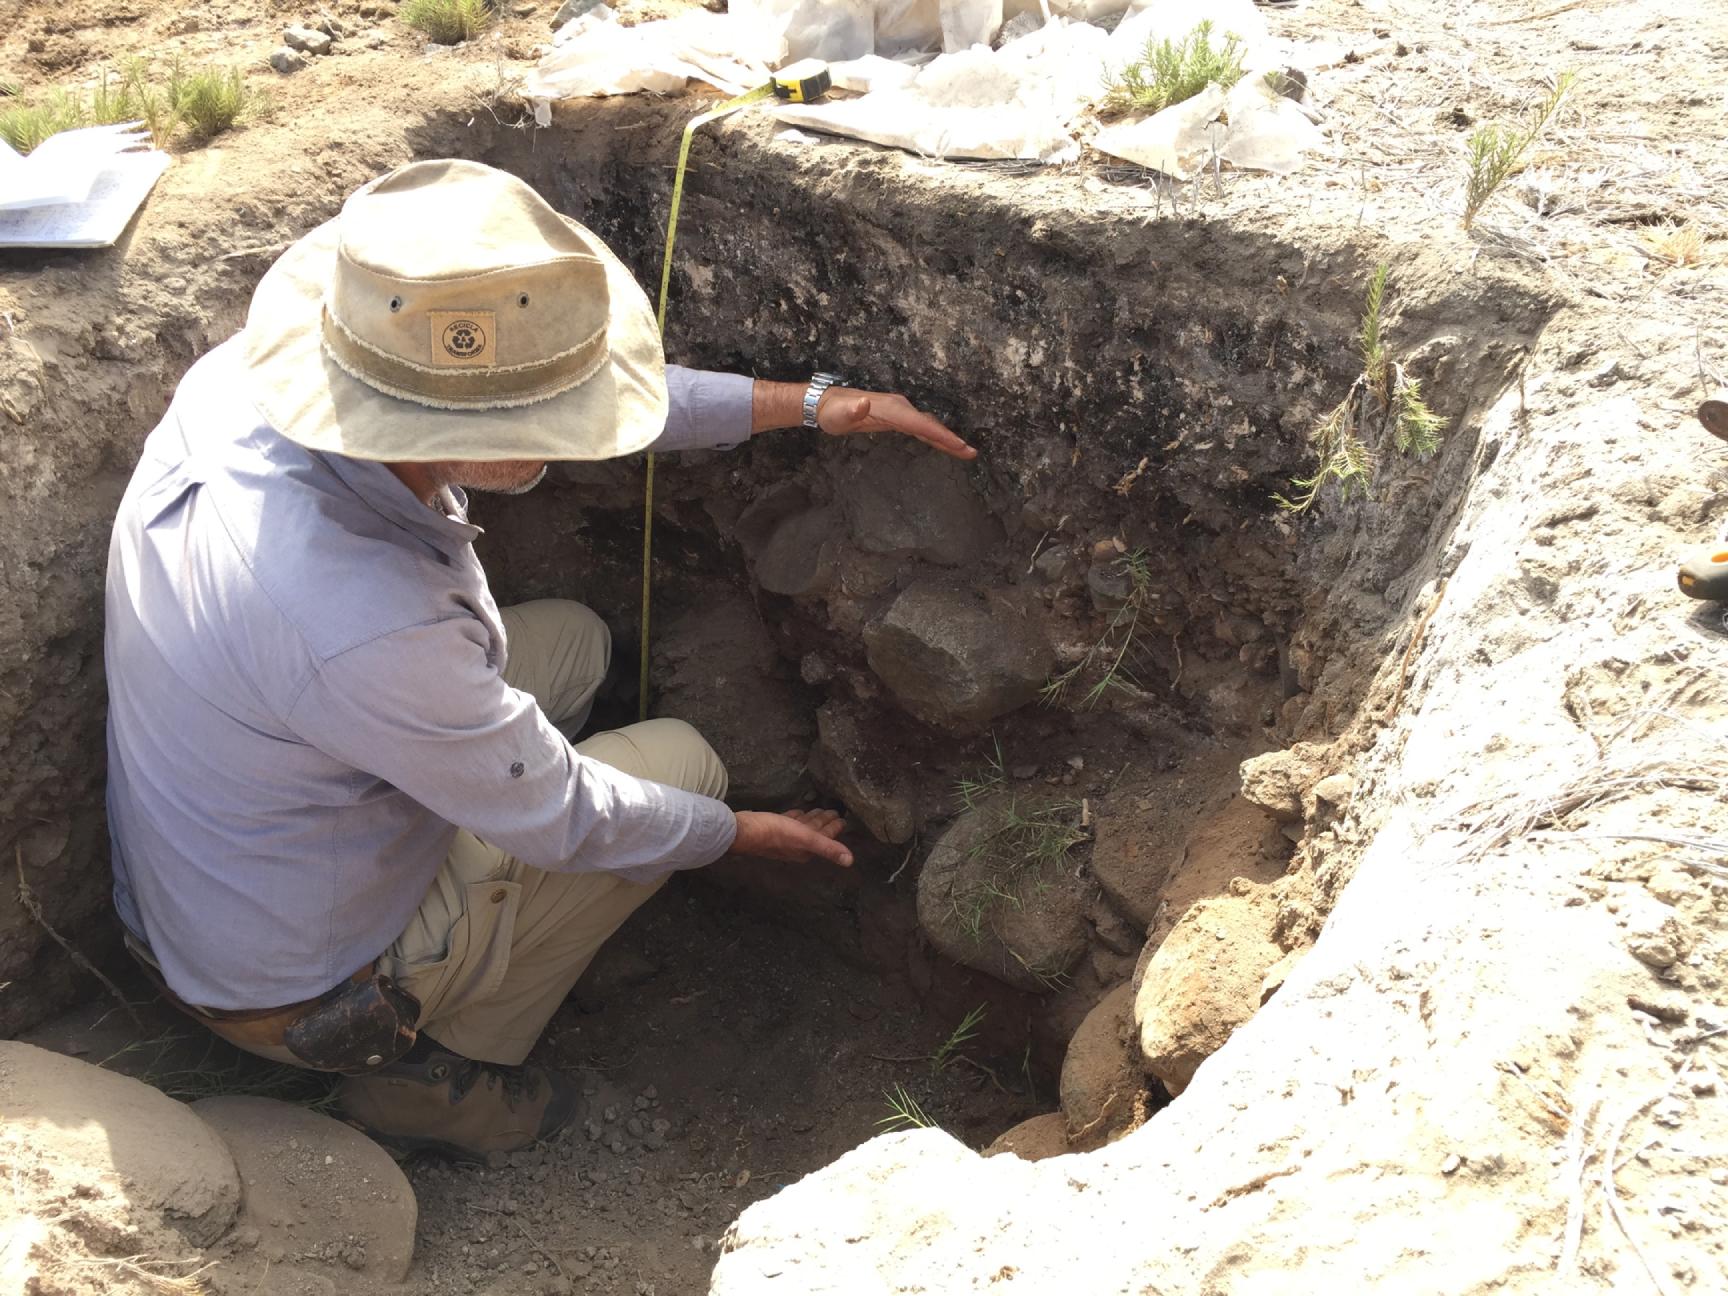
985	903
957	657
904	502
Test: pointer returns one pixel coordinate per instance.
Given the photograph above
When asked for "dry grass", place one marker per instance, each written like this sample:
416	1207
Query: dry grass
1654	750
1676	244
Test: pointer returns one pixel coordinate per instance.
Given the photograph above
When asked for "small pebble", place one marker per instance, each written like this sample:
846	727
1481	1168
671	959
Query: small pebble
1451	1164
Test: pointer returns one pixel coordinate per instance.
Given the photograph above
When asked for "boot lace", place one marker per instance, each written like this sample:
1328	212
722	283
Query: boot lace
516	1082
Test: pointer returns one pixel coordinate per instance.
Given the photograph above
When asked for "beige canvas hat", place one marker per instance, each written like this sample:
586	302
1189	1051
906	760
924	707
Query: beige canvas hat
448	312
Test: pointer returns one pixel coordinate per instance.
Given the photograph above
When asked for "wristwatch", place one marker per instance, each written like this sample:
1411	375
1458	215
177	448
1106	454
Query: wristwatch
819	383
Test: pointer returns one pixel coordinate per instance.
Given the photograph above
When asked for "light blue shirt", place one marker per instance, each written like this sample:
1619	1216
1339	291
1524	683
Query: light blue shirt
305	701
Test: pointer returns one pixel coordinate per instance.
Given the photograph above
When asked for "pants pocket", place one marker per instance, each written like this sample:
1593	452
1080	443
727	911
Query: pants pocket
476	956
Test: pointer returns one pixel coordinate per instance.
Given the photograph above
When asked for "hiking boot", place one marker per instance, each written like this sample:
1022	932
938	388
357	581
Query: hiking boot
438	1101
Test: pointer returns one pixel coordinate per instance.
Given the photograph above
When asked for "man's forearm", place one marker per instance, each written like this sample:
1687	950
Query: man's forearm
776	405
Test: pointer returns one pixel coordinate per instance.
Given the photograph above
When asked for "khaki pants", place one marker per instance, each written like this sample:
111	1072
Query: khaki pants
497	944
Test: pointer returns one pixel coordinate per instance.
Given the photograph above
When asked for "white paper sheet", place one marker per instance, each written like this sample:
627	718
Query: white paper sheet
118	191
63	167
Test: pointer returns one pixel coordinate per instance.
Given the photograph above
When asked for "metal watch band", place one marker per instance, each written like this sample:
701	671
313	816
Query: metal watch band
819	383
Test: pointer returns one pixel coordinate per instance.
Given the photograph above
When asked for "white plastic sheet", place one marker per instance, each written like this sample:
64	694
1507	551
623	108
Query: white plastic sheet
1016	102
1020	101
1250	127
872	72
596	55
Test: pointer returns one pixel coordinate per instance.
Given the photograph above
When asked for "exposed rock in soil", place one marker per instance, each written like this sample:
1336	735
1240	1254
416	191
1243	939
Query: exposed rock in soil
107	1157
1204	982
317	1195
717	669
875	790
987	903
956	657
903	502
1103	1083
792	542
1036	1139
1280	781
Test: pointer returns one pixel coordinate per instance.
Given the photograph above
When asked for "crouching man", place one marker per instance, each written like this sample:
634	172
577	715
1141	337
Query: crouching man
350	830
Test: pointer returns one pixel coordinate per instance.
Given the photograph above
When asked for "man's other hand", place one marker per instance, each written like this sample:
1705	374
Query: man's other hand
796	837
843	411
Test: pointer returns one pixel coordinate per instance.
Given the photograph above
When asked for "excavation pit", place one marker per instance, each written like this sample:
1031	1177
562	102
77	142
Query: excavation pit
1041	671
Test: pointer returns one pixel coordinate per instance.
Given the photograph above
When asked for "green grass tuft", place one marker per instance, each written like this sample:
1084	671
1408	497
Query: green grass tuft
948	1052
903	1112
447	22
211	99
1171	71
1495	153
205	101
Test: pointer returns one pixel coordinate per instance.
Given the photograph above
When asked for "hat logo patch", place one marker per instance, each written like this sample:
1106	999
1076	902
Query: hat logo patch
463	338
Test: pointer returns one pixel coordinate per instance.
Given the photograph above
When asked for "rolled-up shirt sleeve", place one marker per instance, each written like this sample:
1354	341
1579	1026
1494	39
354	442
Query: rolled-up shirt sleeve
707	411
424	710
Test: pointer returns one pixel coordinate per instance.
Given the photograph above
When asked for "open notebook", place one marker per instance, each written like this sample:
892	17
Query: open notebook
76	189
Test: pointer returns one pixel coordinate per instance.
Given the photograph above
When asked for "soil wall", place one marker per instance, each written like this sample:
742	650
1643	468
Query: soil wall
1150	382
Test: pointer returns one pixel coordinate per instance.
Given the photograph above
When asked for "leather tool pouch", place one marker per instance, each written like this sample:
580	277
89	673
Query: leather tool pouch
365	1025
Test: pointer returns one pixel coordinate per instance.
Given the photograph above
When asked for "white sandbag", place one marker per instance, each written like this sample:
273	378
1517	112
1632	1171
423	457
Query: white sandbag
833	30
1267	131
966	23
908	26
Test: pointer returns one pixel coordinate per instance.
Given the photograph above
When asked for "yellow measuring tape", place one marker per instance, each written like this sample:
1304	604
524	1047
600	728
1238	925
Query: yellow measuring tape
696	123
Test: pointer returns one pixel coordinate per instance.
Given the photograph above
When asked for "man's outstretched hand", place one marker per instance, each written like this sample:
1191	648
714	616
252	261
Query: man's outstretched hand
844	411
796	837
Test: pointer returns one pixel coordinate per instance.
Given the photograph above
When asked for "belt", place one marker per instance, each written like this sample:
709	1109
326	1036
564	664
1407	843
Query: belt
258	1025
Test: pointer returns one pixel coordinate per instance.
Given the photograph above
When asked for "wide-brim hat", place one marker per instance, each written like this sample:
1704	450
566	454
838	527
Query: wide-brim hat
449	313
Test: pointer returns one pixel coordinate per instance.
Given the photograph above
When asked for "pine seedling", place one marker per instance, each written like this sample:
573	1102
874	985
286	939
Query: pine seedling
1173	71
1495	153
26	125
1384	401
